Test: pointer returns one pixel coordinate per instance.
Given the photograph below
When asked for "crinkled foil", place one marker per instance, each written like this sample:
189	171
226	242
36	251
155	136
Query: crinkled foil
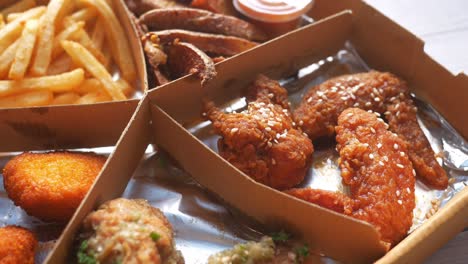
203	225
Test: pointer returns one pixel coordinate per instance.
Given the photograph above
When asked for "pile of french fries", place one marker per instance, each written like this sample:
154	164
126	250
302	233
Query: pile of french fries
64	52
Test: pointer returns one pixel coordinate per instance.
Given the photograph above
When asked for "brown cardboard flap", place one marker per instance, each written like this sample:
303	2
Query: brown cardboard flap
277	58
75	126
112	180
319	226
437	231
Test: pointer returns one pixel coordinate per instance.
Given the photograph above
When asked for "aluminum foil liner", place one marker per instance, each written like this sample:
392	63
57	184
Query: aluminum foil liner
204	225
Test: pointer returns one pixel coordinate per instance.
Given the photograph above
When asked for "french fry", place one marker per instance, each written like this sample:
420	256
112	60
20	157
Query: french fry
94	97
67	7
98	34
71	32
2	21
85	59
60	65
90	85
12	30
56	83
65	98
46	34
7	57
35	98
84	15
12	16
86	41
23	53
19	6
116	35
125	87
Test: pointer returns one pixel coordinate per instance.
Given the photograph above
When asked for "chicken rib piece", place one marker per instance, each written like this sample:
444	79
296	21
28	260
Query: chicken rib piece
380	92
375	166
262	141
202	21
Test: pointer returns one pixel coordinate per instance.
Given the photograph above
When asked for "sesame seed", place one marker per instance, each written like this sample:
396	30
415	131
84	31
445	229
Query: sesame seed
380	119
375	90
349	114
395	146
408	189
398	113
344	98
269	144
293	123
278	135
356	105
402	153
371	156
309	99
377	114
385	158
273	161
377	99
400	166
372	130
379	145
397	192
303	133
381	163
270	95
301	122
370	111
414	172
387	113
234	130
366	145
320	93
268	129
368	104
400	202
319	101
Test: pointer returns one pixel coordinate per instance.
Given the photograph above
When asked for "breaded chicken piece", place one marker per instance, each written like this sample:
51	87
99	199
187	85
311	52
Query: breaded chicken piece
374	164
262	141
57	181
17	245
380	92
128	231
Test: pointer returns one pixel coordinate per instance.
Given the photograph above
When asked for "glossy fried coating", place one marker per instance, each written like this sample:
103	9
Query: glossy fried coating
129	231
17	245
374	164
262	141
380	92
57	181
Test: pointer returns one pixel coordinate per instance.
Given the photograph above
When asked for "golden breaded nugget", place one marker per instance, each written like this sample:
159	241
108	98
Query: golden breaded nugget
57	181
17	245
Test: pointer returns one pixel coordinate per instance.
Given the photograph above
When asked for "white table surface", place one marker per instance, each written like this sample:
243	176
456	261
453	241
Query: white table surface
443	26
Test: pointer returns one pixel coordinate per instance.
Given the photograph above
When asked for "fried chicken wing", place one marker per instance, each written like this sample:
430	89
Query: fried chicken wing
201	21
262	141
374	164
380	92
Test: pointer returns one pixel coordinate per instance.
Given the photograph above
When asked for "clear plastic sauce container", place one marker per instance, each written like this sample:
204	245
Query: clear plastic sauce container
274	16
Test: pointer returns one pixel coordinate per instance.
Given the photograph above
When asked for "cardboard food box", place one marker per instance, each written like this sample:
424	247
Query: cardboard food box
161	116
76	126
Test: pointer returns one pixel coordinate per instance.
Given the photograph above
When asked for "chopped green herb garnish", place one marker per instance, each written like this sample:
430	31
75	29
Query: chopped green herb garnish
281	236
83	256
155	236
302	251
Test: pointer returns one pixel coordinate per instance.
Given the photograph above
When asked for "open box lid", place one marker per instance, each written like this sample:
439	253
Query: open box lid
75	126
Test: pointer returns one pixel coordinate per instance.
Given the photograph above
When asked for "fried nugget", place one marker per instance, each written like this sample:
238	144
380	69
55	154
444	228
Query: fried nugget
263	141
17	245
50	186
128	231
380	92
374	164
